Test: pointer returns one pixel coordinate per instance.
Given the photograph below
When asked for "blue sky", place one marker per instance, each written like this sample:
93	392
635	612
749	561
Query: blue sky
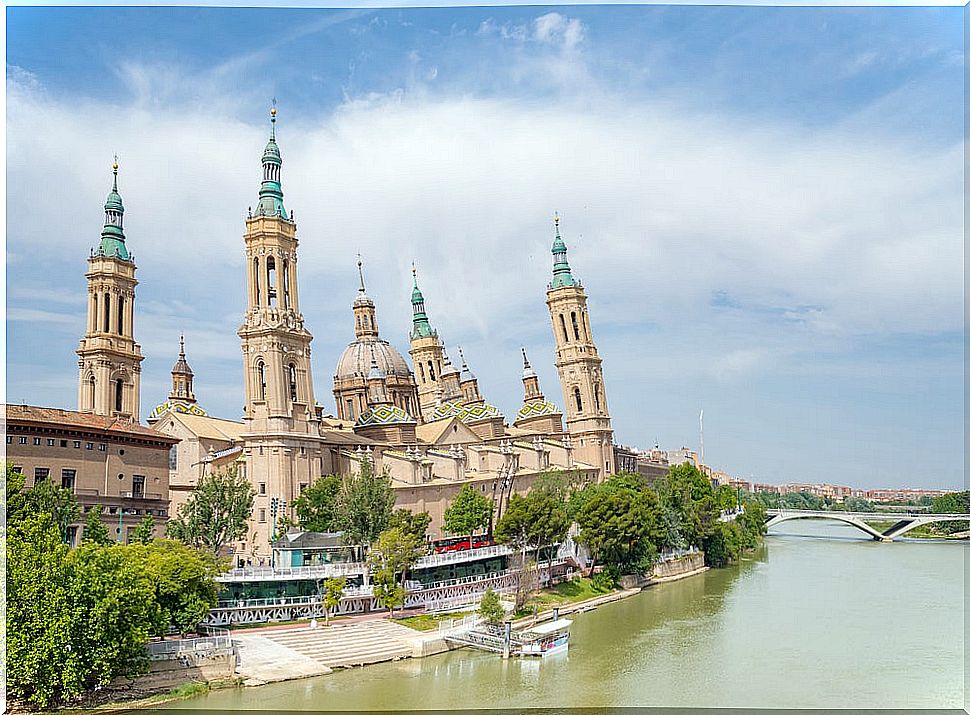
765	205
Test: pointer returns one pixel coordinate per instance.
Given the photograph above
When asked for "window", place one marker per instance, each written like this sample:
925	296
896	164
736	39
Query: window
262	487
9	439
271	280
138	486
102	448
596	397
50	442
112	510
431	371
291	371
67	478
262	516
18	468
121	477
286	284
72	536
562	323
107	312
37	441
421	371
579	399
173	457
40	474
350	410
119	394
77	444
256	278
575	325
89	445
23	440
302	487
121	315
260	380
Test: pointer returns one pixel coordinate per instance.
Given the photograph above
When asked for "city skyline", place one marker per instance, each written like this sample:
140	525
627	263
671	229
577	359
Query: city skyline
818	324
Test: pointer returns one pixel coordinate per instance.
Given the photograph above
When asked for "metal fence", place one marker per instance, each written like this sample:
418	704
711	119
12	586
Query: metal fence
216	639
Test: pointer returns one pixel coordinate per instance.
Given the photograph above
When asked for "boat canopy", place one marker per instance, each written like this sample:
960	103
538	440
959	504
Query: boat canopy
544	629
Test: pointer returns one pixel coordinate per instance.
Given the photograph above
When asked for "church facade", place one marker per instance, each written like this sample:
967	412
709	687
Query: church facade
426	423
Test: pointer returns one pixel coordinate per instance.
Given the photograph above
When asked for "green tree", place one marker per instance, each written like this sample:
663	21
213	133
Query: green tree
145	532
413	523
387	591
44	497
365	504
333	591
183	579
95	531
490	608
317	507
470	510
395	552
216	512
619	527
952	503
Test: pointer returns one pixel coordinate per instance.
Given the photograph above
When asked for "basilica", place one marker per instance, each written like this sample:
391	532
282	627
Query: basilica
425	422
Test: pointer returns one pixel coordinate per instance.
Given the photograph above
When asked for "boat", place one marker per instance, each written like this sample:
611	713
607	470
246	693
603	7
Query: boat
546	638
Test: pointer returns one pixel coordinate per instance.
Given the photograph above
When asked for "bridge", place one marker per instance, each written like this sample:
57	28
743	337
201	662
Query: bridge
901	522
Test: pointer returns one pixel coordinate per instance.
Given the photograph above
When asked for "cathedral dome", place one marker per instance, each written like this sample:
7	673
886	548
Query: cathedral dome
357	357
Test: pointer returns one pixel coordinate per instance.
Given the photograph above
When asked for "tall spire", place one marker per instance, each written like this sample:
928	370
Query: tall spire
360	272
527	370
422	327
271	191
466	373
181	365
561	275
365	312
113	233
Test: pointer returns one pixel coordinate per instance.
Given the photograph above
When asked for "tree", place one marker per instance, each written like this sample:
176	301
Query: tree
952	503
183	579
617	525
75	618
470	510
365	503
333	591
95	531
317	507
145	532
490	608
395	552
216	513
414	523
388	592
44	497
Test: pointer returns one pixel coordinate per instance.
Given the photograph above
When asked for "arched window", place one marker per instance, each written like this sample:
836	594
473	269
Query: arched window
565	333
271	280
94	314
256	280
366	323
350	410
421	371
119	394
596	397
291	371
107	312
431	371
286	284
260	381
91	391
121	315
579	399
575	325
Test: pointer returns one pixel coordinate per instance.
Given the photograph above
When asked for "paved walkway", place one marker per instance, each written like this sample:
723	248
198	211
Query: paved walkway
286	654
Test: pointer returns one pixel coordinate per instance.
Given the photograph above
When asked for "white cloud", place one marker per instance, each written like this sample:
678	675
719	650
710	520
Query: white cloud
662	209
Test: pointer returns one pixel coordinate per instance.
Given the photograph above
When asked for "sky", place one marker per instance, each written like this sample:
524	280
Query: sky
764	204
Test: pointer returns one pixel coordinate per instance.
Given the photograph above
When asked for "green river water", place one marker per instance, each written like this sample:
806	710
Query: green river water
819	617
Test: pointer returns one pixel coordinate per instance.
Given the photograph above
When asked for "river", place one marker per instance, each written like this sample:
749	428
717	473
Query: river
818	617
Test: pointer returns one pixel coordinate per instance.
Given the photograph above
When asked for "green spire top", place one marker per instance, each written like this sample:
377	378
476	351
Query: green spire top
422	328
271	191
561	275
113	233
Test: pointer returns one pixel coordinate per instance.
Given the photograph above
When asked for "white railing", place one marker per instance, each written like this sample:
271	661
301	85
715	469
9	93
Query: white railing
293	573
874	516
451	557
205	645
674	554
453	625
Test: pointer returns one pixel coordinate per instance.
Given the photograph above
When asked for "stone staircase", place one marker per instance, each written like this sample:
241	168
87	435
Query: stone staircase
344	646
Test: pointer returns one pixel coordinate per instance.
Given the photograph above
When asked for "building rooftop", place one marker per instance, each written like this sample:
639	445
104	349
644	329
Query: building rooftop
54	416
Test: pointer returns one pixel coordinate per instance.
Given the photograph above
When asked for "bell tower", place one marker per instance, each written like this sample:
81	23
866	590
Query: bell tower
580	366
109	359
275	343
427	352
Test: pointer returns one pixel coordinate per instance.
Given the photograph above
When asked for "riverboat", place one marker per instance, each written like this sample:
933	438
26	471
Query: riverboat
546	638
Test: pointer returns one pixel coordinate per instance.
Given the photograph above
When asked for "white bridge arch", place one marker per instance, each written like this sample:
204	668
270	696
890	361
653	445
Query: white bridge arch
901	522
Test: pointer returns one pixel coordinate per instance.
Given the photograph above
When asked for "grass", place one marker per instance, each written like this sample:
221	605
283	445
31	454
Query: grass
427	621
563	594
